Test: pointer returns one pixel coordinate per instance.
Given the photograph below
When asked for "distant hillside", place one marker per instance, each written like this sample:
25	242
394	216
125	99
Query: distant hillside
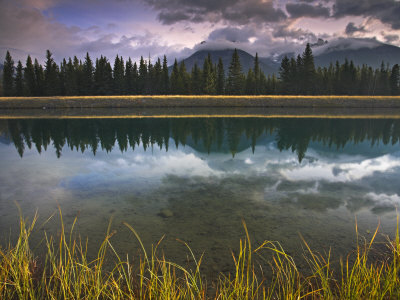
360	51
246	59
372	57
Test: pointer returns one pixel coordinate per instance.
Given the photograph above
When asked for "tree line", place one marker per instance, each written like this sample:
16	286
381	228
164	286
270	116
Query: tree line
230	135
297	76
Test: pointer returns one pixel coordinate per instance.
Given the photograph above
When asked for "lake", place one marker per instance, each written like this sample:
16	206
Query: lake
197	179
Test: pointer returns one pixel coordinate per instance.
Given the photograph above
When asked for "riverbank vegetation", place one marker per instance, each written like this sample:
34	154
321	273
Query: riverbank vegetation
66	272
297	76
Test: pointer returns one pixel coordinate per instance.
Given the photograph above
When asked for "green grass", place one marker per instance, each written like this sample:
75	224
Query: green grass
67	273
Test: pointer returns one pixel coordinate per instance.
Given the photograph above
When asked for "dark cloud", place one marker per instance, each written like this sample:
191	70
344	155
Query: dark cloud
351	29
297	10
233	11
387	11
284	31
232	34
390	38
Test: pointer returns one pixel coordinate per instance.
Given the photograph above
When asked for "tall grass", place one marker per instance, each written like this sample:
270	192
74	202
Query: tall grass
65	272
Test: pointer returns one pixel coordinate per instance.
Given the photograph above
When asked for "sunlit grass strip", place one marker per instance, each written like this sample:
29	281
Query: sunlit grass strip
67	273
275	116
133	97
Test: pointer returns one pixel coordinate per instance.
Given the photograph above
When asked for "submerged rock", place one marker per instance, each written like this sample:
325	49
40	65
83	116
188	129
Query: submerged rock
165	213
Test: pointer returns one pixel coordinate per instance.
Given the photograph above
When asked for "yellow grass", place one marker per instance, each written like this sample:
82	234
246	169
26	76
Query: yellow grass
68	274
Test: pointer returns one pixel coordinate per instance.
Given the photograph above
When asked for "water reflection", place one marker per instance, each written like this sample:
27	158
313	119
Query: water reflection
196	179
209	135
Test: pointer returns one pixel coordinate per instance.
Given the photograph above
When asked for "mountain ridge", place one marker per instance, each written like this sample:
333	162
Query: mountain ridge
360	51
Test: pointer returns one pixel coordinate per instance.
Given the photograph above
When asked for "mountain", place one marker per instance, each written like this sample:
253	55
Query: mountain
246	59
360	51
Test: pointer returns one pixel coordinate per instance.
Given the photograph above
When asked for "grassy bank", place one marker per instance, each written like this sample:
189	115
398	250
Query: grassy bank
200	101
66	272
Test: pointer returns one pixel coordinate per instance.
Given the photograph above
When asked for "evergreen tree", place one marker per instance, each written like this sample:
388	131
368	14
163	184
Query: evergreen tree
235	79
257	75
176	80
19	80
250	83
39	79
51	76
395	80
87	76
285	75
71	81
78	74
158	78
149	88
103	77
130	78
29	77
220	77
185	77
165	77
196	79
308	71
209	80
142	79
8	76
382	84
118	78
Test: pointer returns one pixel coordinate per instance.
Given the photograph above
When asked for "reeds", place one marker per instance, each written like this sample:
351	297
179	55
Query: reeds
66	272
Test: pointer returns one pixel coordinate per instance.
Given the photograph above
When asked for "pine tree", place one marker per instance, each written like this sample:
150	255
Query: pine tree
250	83
51	76
62	76
103	77
118	76
176	80
165	77
158	77
87	76
285	75
395	80
209	80
308	71
185	77
220	77
71	85
142	79
196	79
29	77
130	78
8	76
235	79
19	80
257	75
39	79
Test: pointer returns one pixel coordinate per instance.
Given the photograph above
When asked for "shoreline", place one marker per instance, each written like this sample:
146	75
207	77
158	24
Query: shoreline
201	112
203	101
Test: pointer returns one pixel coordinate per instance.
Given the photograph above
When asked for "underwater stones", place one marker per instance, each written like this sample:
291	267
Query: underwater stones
165	213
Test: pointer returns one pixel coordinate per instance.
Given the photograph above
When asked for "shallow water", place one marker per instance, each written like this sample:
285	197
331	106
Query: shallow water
196	179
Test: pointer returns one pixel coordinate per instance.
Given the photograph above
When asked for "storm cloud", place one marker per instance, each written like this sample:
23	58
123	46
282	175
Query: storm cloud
297	10
233	11
351	29
387	11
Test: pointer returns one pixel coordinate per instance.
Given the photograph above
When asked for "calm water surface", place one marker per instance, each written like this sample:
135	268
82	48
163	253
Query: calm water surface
196	179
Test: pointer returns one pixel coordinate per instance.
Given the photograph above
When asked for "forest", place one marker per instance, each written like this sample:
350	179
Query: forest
297	76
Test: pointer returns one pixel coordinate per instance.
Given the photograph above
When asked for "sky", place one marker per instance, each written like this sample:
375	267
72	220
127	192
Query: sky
178	28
